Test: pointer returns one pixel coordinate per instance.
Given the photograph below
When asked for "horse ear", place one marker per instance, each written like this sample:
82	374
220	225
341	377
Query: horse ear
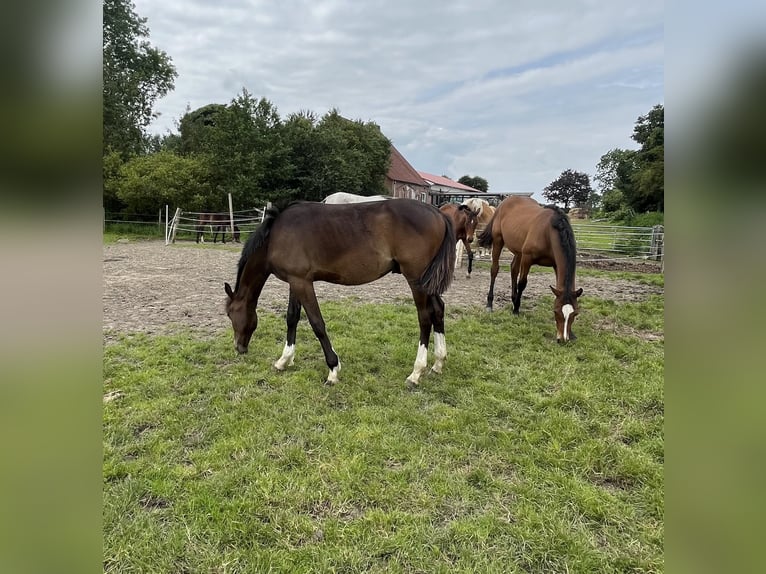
556	292
228	290
578	292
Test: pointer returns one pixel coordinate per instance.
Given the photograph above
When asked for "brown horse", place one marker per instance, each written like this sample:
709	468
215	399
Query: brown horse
536	235
464	221
349	244
218	223
484	212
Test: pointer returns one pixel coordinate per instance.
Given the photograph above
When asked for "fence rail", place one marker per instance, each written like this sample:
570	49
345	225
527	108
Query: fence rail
621	242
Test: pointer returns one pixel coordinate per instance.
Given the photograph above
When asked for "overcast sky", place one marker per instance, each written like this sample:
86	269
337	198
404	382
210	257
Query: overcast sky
513	91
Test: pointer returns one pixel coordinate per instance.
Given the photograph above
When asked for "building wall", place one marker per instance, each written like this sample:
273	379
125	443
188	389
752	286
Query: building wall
407	190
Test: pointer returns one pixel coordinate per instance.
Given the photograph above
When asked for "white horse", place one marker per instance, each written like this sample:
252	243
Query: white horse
343	197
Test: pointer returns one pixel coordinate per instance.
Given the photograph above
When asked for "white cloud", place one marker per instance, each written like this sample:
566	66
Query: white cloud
515	92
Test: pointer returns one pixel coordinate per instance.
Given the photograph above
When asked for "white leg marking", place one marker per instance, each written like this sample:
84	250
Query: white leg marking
421	361
567	311
332	378
287	358
440	352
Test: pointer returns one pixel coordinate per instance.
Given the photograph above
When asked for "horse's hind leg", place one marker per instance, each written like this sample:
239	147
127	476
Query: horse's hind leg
436	309
304	291
424	319
292	317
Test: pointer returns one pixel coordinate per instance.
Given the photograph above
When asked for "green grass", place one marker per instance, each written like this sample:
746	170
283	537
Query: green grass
523	456
132	231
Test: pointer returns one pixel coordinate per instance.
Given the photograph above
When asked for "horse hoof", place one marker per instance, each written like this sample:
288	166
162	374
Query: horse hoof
436	370
411	385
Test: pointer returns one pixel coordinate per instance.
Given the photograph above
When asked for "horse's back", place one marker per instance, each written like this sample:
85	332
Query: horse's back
524	225
354	243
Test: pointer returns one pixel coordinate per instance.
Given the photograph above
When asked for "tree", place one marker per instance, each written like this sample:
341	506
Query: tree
146	183
647	189
476	182
135	75
634	180
571	187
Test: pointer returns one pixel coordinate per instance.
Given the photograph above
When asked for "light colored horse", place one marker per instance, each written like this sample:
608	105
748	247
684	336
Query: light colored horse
343	197
484	212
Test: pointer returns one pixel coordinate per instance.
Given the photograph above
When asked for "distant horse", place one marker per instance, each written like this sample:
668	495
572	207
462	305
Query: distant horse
536	235
343	197
217	223
347	245
484	213
464	221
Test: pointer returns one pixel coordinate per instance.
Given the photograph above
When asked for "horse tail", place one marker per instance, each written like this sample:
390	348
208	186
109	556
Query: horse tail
485	237
437	277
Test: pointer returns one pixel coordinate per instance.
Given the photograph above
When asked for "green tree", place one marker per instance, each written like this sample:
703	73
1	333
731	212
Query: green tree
354	157
633	181
135	75
197	127
476	182
571	187
147	183
647	189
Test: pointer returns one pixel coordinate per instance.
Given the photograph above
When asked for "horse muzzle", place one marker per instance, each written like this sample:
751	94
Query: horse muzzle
241	349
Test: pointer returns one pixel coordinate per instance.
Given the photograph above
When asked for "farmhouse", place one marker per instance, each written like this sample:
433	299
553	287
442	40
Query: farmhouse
403	180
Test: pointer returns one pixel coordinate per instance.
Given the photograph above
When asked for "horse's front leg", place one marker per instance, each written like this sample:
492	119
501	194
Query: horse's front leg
497	248
470	258
292	317
307	297
523	270
515	264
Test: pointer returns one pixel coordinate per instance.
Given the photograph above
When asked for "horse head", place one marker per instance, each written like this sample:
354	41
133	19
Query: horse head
471	221
244	318
565	309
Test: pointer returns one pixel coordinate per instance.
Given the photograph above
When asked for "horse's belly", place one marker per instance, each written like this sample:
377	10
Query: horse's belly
358	274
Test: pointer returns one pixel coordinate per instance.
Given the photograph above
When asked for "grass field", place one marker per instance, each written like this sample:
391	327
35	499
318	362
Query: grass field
523	456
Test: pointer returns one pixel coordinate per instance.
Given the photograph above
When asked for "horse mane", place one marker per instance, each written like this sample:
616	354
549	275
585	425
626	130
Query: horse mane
257	239
560	222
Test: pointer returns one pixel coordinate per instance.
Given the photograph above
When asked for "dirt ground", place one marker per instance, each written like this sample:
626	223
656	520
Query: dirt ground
153	288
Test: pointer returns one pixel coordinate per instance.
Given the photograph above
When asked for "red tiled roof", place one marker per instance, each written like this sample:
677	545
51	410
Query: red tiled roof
401	170
439	180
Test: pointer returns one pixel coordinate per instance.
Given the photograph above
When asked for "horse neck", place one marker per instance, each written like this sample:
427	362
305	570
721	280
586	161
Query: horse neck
254	276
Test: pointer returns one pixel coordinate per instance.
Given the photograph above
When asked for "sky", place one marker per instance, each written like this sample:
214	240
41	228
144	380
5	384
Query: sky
512	91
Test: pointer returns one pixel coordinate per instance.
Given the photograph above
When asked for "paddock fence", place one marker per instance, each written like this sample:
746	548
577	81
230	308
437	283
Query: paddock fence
186	224
603	243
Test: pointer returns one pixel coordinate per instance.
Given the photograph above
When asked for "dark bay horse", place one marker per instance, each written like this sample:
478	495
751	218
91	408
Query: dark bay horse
218	223
536	235
464	220
349	244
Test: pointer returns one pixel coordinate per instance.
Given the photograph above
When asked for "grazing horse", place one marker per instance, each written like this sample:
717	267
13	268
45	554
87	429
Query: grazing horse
343	197
347	245
536	235
484	212
218	223
464	221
